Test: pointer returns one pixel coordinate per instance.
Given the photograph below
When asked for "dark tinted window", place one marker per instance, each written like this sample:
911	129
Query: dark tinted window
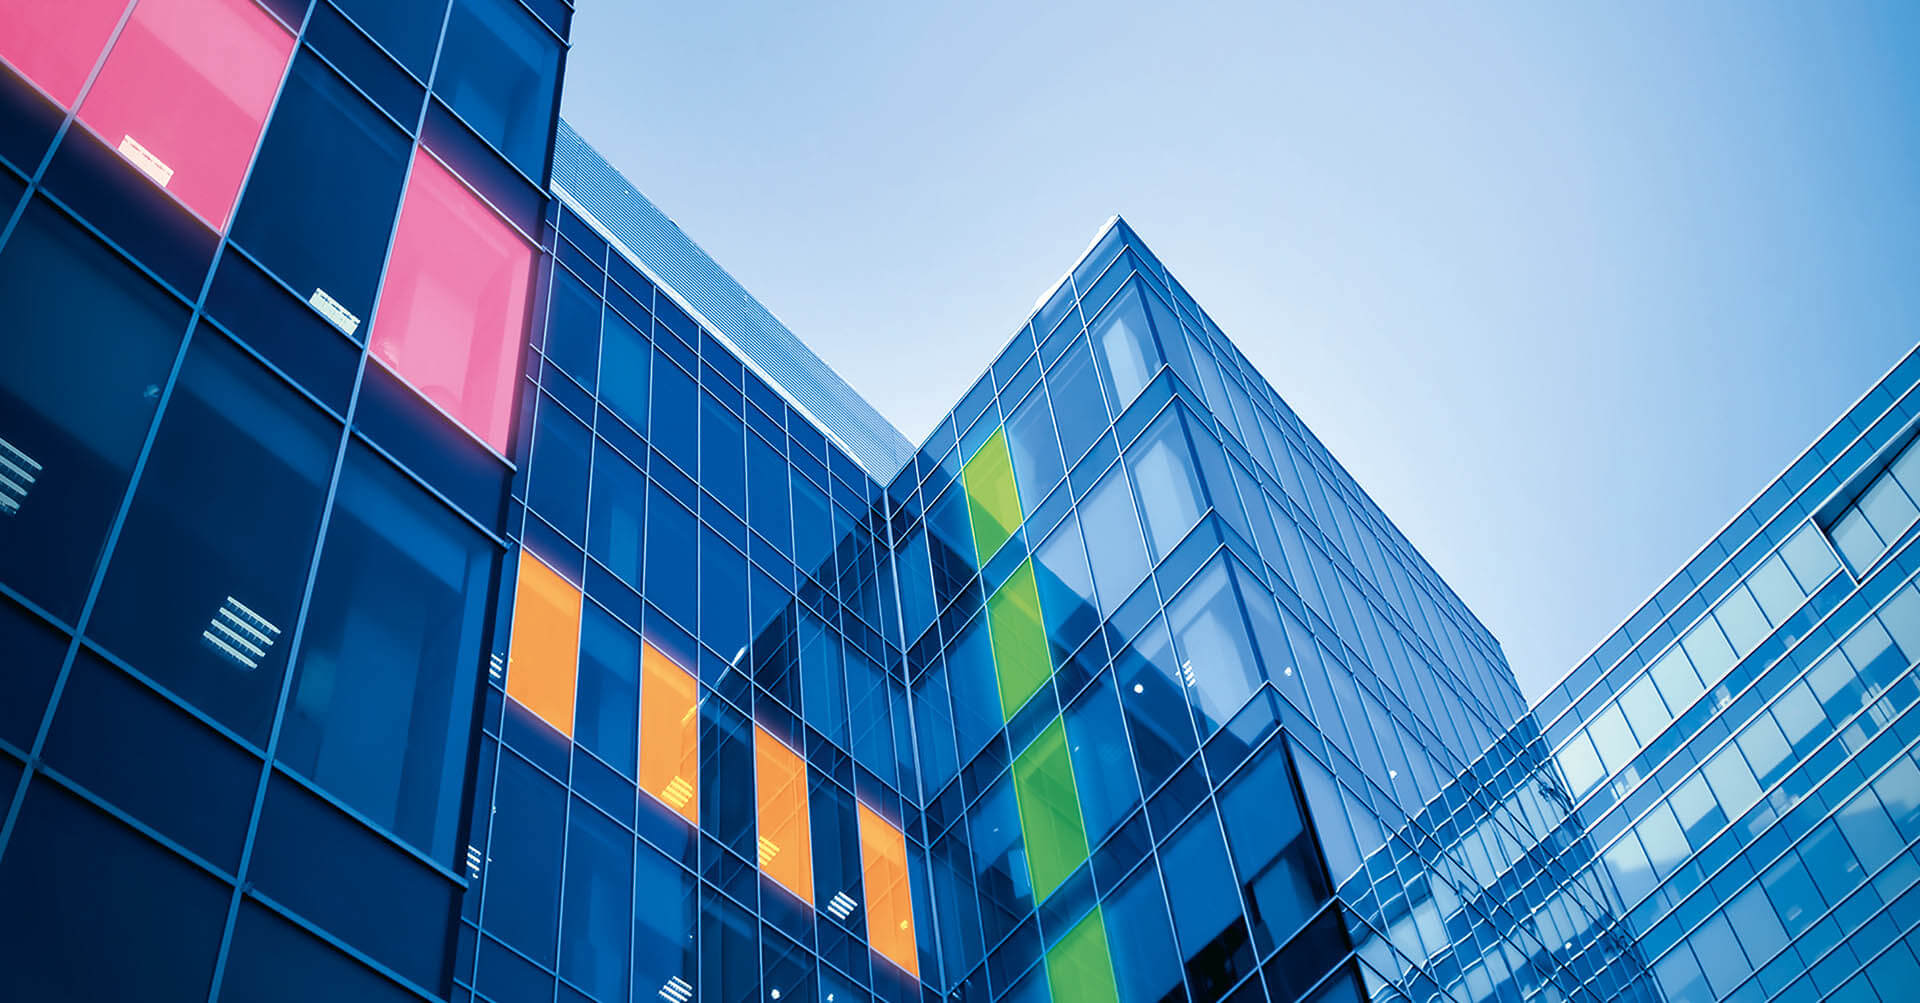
408	30
322	199
523	859
207	577
382	697
499	69
88	346
266	948
95	911
33	660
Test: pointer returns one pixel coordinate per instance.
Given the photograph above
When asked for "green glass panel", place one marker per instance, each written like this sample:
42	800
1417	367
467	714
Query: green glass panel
992	500
1079	968
1049	810
1020	653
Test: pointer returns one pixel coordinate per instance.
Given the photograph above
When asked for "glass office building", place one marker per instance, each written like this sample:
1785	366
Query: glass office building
425	574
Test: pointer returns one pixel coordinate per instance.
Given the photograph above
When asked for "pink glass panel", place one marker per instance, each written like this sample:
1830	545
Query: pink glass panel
452	318
185	93
54	43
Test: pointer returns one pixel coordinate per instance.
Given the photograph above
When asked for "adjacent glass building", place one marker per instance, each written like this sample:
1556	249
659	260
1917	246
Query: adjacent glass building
425	574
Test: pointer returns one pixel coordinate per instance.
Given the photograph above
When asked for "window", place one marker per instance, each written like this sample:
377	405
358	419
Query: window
1279	866
573	327
522	905
88	346
1125	348
1079	966
499	68
382	695
453	317
1019	640
992	501
664	955
35	653
185	92
226	515
883	867
74	882
1162	469
624	358
319	225
1118	555
557	474
669	734
599	900
407	30
780	780
617	516
1141	943
1075	389
1216	658
1206	907
266	947
546	641
1101	766
1056	838
607	717
726	776
1034	448
55	45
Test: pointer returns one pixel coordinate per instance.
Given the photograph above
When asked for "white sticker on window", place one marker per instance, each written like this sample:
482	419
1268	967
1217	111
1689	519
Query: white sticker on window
331	309
144	159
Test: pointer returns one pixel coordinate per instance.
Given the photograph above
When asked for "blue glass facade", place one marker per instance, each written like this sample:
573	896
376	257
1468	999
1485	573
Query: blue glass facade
424	570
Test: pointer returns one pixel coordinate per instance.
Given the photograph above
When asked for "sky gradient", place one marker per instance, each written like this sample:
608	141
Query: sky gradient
1563	287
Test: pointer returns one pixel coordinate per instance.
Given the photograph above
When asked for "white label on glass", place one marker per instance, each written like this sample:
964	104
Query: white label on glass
144	159
331	309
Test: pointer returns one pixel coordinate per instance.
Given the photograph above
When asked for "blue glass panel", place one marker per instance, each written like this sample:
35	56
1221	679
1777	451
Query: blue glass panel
522	904
675	420
557	480
624	366
1035	449
1119	557
1101	768
617	516
722	455
607	705
823	688
382	696
1138	936
226	516
88	345
599	905
672	572
1077	406
1206	908
664	954
499	70
573	327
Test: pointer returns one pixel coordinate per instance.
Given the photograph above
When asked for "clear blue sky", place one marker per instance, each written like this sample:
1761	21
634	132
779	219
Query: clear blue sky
1564	288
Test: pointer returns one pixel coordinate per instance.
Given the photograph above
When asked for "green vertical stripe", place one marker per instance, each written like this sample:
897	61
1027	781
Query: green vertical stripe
1021	658
1056	839
1079	967
993	502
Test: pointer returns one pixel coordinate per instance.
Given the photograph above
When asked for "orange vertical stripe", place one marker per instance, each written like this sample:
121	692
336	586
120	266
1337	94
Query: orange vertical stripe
670	733
546	643
883	863
786	848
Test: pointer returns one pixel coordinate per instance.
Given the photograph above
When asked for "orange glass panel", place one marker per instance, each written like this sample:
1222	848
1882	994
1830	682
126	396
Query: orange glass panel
786	846
883	863
546	643
452	319
669	734
184	96
55	44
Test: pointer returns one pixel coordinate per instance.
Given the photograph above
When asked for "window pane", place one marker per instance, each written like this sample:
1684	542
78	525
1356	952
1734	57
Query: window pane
89	344
55	45
616	519
323	229
780	780
453	316
1142	944
1035	449
1278	863
222	59
557	474
522	904
226	515
1113	534
35	652
573	327
666	903
726	776
1079	966
1019	640
160	765
1206	908
1162	471
546	642
383	692
669	734
607	719
599	903
1888	509
1216	659
499	69
1077	407
1125	348
76	883
883	866
624	355
408	30
266	947
1101	767
1056	839
992	501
